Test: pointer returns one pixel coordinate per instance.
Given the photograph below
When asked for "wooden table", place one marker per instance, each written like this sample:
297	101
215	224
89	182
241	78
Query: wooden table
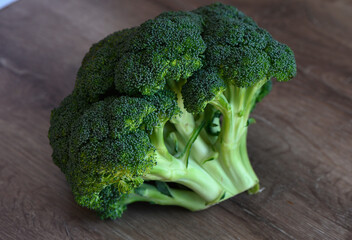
301	146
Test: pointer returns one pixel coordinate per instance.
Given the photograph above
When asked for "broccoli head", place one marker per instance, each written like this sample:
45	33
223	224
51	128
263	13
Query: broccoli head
160	112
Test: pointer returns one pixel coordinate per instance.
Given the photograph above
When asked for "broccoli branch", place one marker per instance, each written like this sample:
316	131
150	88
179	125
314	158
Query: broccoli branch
235	105
177	197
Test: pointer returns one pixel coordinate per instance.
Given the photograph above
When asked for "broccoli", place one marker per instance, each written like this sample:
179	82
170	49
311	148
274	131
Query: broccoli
160	112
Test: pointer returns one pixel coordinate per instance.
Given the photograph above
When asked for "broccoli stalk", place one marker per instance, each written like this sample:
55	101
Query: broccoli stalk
160	112
177	197
183	169
227	174
235	105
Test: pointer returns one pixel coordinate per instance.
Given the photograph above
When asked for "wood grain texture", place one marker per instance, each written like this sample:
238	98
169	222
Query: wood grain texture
301	146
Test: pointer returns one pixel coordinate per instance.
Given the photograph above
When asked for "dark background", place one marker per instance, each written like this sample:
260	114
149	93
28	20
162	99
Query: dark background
300	146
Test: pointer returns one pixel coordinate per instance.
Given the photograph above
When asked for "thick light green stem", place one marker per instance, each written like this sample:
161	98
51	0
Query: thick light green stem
193	176
236	113
230	172
188	173
157	139
182	198
231	143
247	164
236	161
185	124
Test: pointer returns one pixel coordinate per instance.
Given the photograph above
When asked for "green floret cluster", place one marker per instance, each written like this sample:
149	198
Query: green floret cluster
160	112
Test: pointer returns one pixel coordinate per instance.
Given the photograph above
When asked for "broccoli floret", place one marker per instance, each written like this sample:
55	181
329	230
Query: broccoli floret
160	112
96	75
167	47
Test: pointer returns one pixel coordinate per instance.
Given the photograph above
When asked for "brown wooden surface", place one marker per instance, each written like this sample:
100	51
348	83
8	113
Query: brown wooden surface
300	146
